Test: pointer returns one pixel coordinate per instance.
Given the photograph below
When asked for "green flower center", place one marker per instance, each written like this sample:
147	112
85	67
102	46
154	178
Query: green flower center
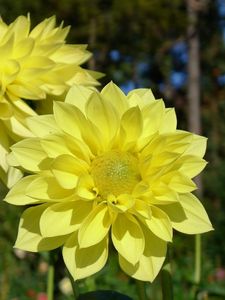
115	173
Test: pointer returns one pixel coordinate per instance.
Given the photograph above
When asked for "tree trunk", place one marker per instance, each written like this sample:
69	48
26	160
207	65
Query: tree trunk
194	109
92	41
193	88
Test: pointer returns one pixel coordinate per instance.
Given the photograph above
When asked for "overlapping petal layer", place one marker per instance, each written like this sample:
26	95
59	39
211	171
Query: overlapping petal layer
35	64
120	169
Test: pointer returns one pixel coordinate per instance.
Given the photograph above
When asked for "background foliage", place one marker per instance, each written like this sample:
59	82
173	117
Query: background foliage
138	43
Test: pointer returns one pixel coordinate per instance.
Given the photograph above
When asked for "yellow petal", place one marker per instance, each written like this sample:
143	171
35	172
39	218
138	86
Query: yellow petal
43	28
67	169
128	238
190	165
86	188
17	127
95	227
68	118
29	154
198	146
169	121
55	145
17	194
20	27
153	115
46	188
78	95
130	128
42	125
29	237
6	49
190	217
140	97
71	120
142	209
159	224
150	263
63	218
26	91
23	107
23	48
113	94
179	182
102	113
83	262
14	175
6	110
162	194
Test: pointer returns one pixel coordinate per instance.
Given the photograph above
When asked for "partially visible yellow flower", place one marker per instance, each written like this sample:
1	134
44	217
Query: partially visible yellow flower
108	166
34	63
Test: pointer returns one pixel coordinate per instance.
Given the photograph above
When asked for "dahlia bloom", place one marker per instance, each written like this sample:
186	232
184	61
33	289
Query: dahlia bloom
34	63
108	166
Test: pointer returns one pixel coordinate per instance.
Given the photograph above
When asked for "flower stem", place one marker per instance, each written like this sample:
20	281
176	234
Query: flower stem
166	279
141	290
50	283
74	286
197	275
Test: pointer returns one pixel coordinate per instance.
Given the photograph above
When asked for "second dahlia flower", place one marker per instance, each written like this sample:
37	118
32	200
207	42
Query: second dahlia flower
108	166
34	64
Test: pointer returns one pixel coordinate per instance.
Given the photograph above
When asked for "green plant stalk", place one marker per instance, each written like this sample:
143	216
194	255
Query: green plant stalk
166	281
50	283
198	259
141	290
74	286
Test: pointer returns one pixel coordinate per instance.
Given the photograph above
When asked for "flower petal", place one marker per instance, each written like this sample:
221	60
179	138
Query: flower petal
55	145
128	238
140	97
83	262
198	146
153	115
86	188
113	94
17	195
29	237
190	217
95	227
179	182
130	128
102	113
169	121
46	188
150	263
66	169
42	125
159	224
69	118
190	165
29	154
78	95
63	218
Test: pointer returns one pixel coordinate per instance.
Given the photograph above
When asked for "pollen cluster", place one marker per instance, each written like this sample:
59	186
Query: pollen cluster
115	173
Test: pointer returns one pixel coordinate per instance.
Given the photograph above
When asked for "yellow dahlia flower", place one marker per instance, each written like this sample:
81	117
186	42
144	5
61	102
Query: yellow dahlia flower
34	63
103	166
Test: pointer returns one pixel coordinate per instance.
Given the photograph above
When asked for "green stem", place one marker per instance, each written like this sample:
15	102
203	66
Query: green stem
50	286
141	290
166	279
74	286
198	258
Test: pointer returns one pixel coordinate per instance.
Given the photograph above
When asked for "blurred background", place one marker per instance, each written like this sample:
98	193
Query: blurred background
176	48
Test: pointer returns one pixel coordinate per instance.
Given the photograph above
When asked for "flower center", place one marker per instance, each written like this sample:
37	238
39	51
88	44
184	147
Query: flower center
115	173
